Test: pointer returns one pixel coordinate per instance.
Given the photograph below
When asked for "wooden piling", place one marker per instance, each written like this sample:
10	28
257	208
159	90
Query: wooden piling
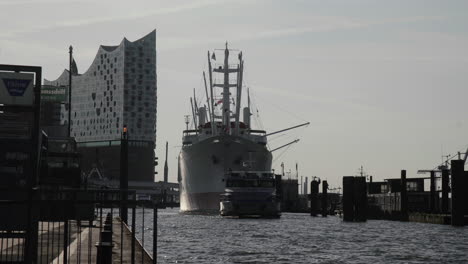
457	172
314	190
348	198
279	186
465	192
445	191
432	197
360	199
324	198
403	197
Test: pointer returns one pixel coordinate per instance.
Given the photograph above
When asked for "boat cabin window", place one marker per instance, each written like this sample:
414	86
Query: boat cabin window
252	175
250	183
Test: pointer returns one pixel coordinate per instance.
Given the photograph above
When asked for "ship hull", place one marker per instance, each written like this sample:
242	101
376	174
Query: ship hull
203	167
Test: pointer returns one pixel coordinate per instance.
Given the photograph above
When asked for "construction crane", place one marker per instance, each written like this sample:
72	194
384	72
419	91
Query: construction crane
445	164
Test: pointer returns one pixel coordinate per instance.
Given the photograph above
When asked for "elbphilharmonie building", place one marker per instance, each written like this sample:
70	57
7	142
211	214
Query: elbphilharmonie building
118	89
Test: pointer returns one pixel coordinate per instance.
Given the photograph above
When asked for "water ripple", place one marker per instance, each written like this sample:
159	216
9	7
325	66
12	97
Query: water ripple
299	238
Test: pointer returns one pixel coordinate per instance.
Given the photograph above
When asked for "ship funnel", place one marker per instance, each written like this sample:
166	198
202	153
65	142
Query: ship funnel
201	115
247	116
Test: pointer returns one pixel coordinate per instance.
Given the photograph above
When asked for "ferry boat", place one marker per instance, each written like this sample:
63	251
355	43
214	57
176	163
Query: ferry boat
250	194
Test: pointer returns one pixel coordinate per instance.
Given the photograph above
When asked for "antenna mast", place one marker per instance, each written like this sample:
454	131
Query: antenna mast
248	98
186	122
226	93
195	102
240	74
213	127
207	99
194	115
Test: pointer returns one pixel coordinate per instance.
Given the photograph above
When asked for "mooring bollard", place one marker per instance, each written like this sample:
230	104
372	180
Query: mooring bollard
108	227
445	191
403	197
457	172
314	189
360	199
104	248
324	198
348	198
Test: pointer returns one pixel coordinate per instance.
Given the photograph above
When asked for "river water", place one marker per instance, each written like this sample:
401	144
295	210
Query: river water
300	238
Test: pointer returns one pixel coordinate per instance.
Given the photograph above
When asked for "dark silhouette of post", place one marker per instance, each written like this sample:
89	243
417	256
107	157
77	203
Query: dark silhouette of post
70	89
432	197
348	198
166	168
403	197
314	190
166	177
155	233
279	187
465	192
457	172
360	199
104	246
445	191
124	175
324	198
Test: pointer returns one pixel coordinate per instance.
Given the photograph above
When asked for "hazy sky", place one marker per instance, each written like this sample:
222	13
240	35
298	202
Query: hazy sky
383	83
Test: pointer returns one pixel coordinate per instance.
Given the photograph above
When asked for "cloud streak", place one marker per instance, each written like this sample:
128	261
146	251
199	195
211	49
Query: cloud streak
111	18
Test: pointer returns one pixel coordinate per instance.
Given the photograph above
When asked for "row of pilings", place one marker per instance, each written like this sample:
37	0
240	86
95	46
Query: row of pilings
314	198
453	181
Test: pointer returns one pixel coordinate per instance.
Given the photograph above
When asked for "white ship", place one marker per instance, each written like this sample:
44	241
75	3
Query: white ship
221	142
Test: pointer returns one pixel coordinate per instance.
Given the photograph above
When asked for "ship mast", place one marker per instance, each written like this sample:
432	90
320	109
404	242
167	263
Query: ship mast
226	93
195	103
213	125
239	91
207	98
193	115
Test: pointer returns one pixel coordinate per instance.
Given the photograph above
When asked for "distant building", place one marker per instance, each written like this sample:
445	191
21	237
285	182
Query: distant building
118	89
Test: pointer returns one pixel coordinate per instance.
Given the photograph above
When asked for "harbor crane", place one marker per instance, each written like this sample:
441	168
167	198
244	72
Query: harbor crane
445	164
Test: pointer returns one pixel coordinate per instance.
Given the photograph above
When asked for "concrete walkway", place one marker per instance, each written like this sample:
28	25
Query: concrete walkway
82	247
120	231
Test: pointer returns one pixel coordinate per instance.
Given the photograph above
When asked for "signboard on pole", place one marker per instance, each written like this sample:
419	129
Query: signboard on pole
18	125
16	88
57	94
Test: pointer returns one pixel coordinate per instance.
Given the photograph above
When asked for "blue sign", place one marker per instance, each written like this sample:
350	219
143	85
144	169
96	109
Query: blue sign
16	87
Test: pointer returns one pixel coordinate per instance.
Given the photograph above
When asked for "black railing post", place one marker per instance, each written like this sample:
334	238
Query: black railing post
155	233
65	241
31	239
124	175
133	230
143	234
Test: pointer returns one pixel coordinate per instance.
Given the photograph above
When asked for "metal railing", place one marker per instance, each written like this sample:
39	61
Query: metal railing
75	226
